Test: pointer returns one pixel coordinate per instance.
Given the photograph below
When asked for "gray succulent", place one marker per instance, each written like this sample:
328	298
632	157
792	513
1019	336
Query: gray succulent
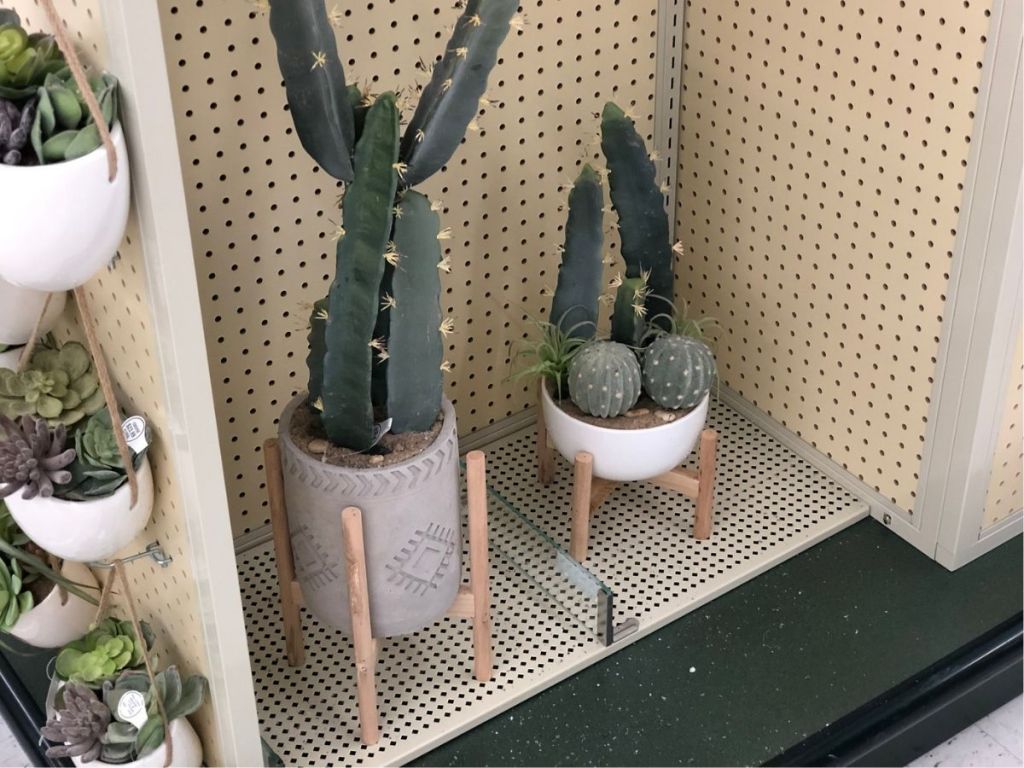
33	457
79	726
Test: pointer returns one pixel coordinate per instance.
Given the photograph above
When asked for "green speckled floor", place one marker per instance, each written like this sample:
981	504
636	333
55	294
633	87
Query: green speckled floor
760	668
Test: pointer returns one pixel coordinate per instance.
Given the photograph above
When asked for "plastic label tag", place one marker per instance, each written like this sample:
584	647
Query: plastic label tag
131	708
379	430
134	428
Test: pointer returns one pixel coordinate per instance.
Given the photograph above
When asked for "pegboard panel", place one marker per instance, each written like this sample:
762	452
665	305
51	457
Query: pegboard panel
262	214
119	302
1005	496
823	150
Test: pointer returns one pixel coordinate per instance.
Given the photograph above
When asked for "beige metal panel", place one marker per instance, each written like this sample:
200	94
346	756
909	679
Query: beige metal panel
120	304
823	149
262	214
1004	496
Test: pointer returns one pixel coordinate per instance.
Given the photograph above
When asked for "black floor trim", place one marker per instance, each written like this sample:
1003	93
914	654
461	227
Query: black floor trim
924	710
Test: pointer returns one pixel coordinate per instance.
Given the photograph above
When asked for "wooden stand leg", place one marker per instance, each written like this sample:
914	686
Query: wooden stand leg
545	456
583	474
476	481
705	484
362	635
283	550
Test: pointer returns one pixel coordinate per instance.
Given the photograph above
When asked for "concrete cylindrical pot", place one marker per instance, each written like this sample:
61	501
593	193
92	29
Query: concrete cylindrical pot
20	309
624	455
59	618
84	531
412	531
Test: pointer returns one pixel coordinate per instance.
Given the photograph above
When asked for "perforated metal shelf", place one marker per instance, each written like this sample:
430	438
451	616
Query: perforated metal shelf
769	506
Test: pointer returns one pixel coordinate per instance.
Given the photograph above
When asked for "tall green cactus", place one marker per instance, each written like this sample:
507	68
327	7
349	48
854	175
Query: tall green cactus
452	97
416	349
574	306
627	320
365	350
640	205
352	308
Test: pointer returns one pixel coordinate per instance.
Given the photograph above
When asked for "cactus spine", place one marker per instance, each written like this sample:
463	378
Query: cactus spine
363	345
574	307
678	371
640	205
604	379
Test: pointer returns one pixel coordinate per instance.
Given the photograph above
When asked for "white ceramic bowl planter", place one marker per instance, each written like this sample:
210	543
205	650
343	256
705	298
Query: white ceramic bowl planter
9	358
53	623
63	222
21	307
624	455
84	531
186	750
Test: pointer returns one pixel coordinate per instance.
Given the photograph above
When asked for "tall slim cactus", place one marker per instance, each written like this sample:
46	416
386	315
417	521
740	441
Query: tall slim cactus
574	307
376	341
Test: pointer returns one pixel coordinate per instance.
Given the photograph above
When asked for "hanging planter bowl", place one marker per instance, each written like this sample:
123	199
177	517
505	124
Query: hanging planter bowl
59	618
9	358
624	455
187	750
84	531
20	308
63	222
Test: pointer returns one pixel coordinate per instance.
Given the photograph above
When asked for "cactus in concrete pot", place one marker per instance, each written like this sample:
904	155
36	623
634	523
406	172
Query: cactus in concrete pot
604	379
376	341
678	371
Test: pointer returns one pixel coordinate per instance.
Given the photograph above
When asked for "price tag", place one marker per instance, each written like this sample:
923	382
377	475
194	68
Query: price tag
134	428
131	708
379	430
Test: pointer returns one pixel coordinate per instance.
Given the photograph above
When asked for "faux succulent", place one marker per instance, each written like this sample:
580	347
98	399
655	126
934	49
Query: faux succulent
15	129
79	726
124	741
63	128
25	59
104	652
97	470
376	342
33	457
58	385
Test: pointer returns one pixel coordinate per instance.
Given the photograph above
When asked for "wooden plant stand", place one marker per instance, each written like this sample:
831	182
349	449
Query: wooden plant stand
590	491
472	602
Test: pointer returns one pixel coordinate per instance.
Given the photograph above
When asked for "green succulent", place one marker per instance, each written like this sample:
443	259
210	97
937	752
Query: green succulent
63	128
97	470
123	741
25	60
14	598
58	385
104	652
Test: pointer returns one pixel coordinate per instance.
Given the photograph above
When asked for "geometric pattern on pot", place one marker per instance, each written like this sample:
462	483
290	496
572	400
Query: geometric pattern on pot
422	564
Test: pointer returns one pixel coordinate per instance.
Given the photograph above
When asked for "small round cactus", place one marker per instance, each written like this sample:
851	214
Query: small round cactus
678	371
604	379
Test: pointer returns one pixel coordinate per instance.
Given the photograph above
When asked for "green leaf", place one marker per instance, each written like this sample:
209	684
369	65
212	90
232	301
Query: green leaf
55	148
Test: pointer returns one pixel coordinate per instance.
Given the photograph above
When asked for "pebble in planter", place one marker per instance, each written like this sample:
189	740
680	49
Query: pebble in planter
63	150
374	430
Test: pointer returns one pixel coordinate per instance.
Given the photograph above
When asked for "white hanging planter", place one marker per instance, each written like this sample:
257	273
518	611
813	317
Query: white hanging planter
624	455
186	749
9	358
56	622
84	531
63	222
20	308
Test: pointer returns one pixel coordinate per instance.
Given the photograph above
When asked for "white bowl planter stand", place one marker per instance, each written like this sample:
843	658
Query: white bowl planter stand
589	491
471	603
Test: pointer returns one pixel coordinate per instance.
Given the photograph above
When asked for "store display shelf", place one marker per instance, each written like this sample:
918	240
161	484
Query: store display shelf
550	614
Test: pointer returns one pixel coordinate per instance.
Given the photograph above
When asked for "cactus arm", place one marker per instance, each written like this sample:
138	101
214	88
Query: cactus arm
359	110
579	276
315	83
627	325
452	97
317	349
637	198
352	310
415	382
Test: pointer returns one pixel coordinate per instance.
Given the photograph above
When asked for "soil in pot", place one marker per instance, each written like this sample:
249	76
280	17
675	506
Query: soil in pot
308	433
645	414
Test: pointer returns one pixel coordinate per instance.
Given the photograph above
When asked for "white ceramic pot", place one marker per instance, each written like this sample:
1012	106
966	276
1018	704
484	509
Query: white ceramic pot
186	750
63	222
624	455
84	531
54	623
20	308
9	358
